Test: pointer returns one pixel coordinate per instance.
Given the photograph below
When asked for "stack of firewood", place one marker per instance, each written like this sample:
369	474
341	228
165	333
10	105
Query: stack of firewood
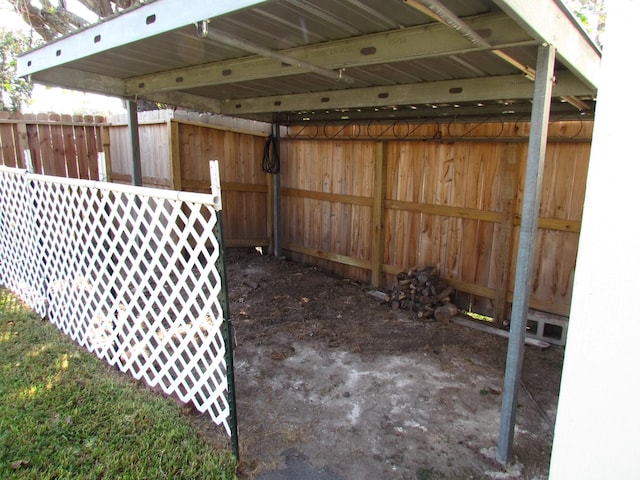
424	293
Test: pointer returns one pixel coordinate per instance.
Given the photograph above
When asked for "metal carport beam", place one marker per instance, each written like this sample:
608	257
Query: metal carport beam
147	21
115	87
449	91
247	46
78	80
183	99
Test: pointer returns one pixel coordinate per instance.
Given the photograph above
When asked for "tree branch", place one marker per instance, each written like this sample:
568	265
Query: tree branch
102	8
33	17
51	22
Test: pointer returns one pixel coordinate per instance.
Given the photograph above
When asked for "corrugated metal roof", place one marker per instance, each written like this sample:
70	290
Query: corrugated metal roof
373	43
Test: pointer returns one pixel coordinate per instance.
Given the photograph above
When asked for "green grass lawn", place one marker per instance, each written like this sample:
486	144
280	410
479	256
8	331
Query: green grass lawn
64	414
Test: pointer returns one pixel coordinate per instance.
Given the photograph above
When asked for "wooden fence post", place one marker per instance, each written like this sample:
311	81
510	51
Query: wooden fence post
379	191
8	153
106	148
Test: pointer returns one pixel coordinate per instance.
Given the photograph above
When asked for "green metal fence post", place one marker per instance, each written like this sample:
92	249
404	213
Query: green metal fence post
227	330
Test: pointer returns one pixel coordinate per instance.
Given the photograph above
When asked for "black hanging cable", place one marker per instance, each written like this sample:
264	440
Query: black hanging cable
271	155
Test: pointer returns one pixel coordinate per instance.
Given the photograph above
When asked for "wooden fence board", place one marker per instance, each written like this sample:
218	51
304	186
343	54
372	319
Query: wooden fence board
20	137
44	144
81	147
7	141
58	158
504	244
92	134
119	151
69	145
579	184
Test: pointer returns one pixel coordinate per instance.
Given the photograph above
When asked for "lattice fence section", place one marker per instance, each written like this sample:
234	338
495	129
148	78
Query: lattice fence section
129	273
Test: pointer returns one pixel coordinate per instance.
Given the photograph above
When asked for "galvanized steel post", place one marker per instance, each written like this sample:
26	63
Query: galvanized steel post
526	246
134	138
277	249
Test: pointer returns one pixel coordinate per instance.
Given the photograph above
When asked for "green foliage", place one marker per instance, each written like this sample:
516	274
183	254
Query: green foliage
15	91
65	414
591	14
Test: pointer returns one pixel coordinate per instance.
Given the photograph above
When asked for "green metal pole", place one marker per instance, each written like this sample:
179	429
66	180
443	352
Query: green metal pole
227	326
227	333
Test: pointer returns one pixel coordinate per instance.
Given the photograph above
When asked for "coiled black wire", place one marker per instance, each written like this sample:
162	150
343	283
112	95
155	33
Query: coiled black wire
271	155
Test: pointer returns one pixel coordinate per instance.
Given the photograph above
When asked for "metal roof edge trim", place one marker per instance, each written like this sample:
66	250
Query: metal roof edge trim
146	21
557	26
578	25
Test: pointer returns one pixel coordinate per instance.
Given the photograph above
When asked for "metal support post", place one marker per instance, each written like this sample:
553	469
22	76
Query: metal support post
277	249
526	247
134	136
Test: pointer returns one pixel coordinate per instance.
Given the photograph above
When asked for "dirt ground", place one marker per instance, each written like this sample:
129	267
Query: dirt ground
331	385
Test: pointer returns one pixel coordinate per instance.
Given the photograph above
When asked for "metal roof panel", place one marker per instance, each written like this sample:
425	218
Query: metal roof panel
271	48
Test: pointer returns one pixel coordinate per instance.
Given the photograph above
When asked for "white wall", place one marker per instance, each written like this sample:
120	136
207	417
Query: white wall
597	432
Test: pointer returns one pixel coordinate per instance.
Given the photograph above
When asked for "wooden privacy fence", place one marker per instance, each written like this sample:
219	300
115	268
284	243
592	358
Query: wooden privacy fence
368	201
175	149
61	145
363	200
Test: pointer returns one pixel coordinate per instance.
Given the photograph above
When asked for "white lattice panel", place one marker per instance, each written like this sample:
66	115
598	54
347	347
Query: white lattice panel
129	273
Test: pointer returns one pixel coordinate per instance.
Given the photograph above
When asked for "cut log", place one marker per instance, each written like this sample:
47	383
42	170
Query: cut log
378	295
444	312
422	291
427	275
407	304
426	313
444	293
